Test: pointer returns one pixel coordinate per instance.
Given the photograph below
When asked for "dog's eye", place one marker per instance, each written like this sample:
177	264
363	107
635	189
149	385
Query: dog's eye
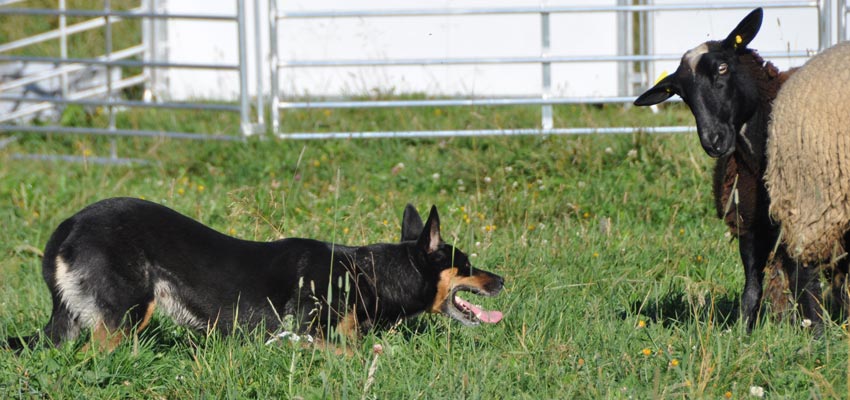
722	69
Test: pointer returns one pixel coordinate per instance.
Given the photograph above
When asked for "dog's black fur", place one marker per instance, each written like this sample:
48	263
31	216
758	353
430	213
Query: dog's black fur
110	265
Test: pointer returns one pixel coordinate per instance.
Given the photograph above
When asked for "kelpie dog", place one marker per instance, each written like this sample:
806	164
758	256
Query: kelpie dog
110	265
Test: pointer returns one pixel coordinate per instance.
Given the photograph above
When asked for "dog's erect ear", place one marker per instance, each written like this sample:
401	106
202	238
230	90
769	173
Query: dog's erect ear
429	239
662	90
745	32
411	224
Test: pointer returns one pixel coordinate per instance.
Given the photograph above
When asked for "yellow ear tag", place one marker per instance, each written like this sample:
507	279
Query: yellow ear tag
738	39
660	77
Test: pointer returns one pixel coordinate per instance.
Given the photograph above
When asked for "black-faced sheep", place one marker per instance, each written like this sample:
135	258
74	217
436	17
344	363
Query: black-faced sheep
730	89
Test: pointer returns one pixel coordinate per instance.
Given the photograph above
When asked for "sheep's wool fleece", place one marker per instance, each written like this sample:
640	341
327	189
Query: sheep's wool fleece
808	156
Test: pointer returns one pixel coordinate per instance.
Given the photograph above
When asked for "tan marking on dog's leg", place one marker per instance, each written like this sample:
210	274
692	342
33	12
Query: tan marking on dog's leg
102	339
147	318
323	345
349	327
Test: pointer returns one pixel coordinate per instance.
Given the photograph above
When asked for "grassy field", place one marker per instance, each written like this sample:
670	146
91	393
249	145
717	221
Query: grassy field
620	282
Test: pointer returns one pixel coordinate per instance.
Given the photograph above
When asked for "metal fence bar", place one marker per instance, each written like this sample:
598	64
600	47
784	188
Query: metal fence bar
274	67
56	33
824	24
502	60
107	4
245	107
118	63
117	132
63	47
81	159
456	102
123	103
539	9
124	83
546	120
118	55
148	54
624	48
121	14
486	132
258	51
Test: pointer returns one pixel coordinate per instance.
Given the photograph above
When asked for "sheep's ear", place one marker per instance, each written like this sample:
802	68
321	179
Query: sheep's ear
411	224
745	32
663	90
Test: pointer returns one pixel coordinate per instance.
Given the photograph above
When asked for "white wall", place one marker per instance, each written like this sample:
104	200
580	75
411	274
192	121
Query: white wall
446	37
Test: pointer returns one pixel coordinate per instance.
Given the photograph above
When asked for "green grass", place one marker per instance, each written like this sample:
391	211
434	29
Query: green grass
530	208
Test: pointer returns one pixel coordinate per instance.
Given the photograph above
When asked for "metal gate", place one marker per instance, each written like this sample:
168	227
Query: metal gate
51	76
627	59
635	67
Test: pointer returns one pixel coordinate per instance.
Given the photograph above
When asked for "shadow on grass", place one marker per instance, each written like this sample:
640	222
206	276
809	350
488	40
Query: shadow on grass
676	308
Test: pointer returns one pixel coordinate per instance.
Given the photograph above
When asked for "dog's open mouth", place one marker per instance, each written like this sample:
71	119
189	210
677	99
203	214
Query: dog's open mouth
468	313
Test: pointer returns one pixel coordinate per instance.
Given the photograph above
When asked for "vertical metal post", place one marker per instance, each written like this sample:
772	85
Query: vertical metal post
624	48
258	59
546	110
245	106
824	24
842	20
107	10
157	29
63	48
147	41
648	33
273	68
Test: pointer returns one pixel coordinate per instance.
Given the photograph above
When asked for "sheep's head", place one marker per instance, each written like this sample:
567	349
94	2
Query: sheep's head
720	94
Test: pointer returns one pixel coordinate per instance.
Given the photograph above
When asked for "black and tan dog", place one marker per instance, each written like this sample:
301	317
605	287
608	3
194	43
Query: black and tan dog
112	264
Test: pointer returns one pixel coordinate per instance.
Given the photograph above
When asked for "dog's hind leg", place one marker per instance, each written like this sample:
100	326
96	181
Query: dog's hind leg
107	333
63	324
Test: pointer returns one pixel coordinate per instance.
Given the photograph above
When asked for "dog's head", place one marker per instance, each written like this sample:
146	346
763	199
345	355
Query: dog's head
452	271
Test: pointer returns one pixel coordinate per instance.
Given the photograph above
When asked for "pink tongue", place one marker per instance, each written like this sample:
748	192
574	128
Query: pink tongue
490	317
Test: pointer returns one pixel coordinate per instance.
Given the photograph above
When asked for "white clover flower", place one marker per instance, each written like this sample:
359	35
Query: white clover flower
806	323
756	391
632	153
509	169
435	176
487	179
609	150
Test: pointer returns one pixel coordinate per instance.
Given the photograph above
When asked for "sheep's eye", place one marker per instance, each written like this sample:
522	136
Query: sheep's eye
722	69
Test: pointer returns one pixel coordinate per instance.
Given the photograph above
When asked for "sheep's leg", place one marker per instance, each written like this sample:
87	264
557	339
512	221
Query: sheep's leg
839	286
754	255
805	283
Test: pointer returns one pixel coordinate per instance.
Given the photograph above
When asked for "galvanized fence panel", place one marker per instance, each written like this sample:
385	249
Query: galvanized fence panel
626	57
831	27
104	95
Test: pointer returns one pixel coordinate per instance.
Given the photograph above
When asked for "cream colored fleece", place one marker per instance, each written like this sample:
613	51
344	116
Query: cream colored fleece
808	156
